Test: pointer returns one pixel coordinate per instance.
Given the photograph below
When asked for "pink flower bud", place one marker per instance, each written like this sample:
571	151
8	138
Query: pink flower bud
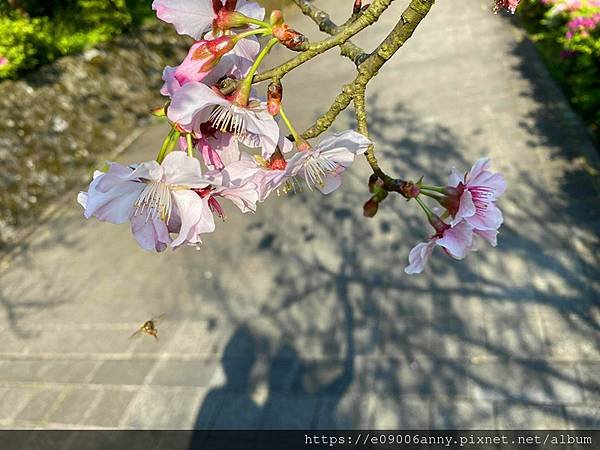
371	207
276	17
274	96
290	37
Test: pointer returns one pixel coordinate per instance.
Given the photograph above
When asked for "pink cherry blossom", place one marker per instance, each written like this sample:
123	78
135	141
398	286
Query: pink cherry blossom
510	5
196	104
473	198
457	241
3	60
198	64
196	17
322	166
156	198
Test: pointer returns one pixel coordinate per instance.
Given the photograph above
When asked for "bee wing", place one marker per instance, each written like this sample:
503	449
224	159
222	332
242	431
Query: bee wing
138	333
158	318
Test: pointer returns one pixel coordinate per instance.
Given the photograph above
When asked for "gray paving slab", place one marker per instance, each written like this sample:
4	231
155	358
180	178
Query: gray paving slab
301	314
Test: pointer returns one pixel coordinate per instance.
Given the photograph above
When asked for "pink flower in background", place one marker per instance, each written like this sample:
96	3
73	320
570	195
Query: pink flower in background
196	104
3	61
196	17
322	166
457	241
510	5
472	198
156	198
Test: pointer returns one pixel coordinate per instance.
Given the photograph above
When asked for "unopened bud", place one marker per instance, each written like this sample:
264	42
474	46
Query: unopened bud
274	96
159	111
376	184
371	207
226	20
357	6
289	37
276	17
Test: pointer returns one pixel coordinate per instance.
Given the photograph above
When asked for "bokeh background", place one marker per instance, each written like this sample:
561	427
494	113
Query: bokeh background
301	315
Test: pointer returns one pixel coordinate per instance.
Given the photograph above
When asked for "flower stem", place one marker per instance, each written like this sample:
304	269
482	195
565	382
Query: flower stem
288	123
246	84
163	150
190	145
425	208
425	187
245	34
260	23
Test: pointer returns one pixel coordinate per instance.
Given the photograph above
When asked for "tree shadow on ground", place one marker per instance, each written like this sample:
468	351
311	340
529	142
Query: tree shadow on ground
483	343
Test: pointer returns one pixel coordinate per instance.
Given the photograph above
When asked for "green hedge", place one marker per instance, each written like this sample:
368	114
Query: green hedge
36	32
567	32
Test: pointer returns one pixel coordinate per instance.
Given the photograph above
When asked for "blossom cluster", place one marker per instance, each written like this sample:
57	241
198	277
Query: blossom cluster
222	146
581	17
470	213
510	5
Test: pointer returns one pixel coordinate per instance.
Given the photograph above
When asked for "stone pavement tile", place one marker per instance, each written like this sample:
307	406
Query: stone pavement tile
462	414
40	404
511	416
73	406
161	408
109	409
569	335
238	410
590	380
46	371
172	372
352	410
200	338
123	372
81	342
12	400
586	417
289	412
401	412
526	381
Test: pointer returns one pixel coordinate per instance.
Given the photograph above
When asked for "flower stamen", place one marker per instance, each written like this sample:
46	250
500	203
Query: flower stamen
155	200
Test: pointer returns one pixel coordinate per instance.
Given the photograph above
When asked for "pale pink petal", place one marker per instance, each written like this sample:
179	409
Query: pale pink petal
171	84
455	178
250	9
465	209
115	205
191	17
150	233
183	170
192	105
244	197
489	218
494	181
418	257
458	240
189	208
481	165
348	140
489	235
330	183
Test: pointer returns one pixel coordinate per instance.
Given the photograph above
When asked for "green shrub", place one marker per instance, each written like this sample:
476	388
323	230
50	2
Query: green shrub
568	36
36	32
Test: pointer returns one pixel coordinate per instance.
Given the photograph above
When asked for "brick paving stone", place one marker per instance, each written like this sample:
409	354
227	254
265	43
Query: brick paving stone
301	313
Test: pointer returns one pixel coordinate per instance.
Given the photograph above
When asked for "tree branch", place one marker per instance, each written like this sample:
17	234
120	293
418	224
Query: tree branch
369	17
326	25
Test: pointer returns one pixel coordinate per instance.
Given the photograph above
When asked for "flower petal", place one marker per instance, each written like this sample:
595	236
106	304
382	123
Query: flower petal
466	208
419	256
191	17
458	240
183	170
192	105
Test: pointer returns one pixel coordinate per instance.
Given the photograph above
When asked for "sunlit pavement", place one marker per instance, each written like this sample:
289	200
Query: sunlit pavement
301	315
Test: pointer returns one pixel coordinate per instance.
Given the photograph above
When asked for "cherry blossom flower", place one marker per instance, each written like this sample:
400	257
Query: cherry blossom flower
156	198
196	104
196	17
510	5
208	62
322	166
3	60
457	241
471	197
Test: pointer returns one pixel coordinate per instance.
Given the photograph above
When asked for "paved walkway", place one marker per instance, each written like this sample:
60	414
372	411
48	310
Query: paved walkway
301	315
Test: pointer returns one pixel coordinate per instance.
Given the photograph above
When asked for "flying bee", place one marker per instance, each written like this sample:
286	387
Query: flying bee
149	328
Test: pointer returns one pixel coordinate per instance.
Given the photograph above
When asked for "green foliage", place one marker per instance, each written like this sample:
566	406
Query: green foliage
36	32
569	40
